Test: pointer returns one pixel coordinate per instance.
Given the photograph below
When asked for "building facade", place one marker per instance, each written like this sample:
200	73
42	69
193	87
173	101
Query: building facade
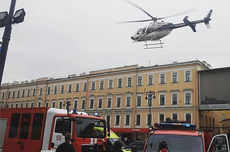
118	94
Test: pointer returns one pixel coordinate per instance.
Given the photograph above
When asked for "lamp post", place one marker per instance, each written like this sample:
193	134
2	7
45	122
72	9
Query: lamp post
149	96
6	20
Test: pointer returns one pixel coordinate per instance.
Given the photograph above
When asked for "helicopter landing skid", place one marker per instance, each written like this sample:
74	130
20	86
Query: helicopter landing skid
155	45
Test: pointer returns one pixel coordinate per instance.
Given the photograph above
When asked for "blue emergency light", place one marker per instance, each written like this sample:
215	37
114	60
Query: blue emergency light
177	125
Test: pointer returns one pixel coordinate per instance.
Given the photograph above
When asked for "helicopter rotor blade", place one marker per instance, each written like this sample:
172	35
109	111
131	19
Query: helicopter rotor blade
152	18
135	21
181	13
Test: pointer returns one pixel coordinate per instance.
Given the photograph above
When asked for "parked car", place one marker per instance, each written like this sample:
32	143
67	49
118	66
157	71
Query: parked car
139	144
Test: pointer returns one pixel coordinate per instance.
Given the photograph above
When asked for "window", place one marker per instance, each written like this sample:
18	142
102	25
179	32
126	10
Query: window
117	120
39	103
62	88
108	118
109	102
139	101
21	105
34	91
13	96
37	126
110	84
8	95
100	101
129	83
174	77
161	117
32	104
27	104
48	91
138	120
14	124
28	92
139	80
127	120
23	93
188	118
174	98
91	103
93	85
18	94
53	104
84	86
60	104
162	99
222	116
187	98
174	116
70	88
149	119
40	93
128	101
61	125
77	87
55	90
150	80
162	78
47	104
119	84
101	85
188	76
82	103
25	124
118	105
3	95
75	104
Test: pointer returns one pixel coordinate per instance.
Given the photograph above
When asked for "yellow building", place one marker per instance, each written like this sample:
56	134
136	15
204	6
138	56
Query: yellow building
118	95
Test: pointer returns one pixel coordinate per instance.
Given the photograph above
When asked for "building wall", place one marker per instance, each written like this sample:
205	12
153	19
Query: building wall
48	92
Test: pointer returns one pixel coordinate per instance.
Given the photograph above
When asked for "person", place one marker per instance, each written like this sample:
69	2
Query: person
117	147
66	146
163	147
96	147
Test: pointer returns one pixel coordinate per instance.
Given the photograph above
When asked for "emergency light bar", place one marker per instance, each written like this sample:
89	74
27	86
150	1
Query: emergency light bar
169	125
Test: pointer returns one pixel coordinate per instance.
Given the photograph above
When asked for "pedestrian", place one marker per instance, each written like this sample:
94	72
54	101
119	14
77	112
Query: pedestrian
117	147
66	146
97	149
163	147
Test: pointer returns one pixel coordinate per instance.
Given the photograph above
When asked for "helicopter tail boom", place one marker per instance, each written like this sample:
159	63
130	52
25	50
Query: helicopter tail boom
187	22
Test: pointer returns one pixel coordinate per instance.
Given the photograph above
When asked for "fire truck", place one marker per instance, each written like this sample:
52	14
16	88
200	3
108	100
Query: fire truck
43	129
184	137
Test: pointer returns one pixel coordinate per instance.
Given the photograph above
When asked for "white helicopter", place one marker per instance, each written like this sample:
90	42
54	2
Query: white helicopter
157	30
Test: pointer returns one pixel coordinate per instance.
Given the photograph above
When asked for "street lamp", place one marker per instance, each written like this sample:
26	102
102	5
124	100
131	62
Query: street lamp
6	20
149	96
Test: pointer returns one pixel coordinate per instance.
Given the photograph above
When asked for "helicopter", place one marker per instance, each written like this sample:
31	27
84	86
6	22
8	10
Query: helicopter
156	30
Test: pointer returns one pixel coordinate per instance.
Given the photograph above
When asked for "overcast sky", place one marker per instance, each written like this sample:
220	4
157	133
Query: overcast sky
63	37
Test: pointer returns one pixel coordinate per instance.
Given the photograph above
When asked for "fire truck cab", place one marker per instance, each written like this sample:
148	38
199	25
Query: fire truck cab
183	137
43	129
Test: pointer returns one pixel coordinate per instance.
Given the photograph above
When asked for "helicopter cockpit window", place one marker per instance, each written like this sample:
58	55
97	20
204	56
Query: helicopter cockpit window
144	29
139	31
149	30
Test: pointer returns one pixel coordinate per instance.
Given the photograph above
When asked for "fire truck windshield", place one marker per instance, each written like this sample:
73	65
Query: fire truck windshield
176	143
90	128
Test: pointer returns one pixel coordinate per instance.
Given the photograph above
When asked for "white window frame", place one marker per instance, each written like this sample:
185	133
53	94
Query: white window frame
141	76
55	90
127	126
187	91
176	77
31	103
75	100
127	85
101	85
70	87
190	80
148	83
136	120
109	83
83	99
53	102
100	98
120	102
174	92
190	115
147	119
110	103
159	117
139	95
118	82
47	102
109	119
115	125
176	114
62	91
60	101
90	103
77	87
162	93
93	88
160	78
126	101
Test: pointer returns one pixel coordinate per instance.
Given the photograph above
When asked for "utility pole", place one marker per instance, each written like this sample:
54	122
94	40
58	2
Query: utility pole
149	96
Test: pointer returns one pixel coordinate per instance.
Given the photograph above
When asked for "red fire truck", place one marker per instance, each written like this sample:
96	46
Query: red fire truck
183	137
43	129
